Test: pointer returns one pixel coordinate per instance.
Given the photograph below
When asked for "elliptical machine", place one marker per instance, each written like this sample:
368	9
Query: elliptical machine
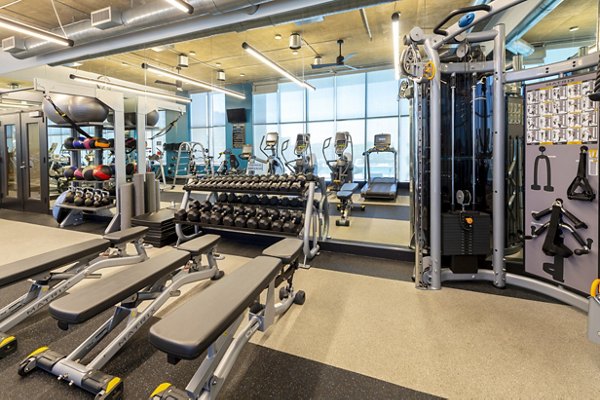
270	143
342	174
304	162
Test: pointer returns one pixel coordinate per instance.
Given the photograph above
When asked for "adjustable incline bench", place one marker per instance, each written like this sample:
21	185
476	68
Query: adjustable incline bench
208	321
128	288
87	258
346	205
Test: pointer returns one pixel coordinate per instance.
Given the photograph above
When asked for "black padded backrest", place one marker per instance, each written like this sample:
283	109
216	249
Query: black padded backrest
190	329
126	235
50	260
78	307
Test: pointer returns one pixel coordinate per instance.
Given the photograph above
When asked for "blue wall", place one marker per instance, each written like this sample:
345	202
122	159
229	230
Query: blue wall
232	102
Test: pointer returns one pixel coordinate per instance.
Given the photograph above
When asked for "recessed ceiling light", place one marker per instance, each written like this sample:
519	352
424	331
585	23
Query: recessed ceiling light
573	28
242	74
192	53
278	37
123	63
295	52
218	64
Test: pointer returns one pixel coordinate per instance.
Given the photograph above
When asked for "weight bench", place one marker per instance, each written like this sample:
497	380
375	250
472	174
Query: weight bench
212	317
344	195
149	282
86	258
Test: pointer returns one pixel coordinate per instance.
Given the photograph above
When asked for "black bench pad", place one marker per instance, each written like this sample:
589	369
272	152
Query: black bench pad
126	235
344	195
349	187
287	250
200	245
50	260
78	307
190	329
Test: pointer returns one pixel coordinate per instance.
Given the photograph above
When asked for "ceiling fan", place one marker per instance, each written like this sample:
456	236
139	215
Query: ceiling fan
340	60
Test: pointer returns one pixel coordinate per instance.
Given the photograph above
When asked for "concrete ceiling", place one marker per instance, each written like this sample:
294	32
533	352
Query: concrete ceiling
224	51
555	27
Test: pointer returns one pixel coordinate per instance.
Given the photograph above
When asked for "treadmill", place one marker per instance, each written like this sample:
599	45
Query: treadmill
381	188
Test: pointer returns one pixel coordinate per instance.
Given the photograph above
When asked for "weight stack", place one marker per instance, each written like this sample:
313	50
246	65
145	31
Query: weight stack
466	239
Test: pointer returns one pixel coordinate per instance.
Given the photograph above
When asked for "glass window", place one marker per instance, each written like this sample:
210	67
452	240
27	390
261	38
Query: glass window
382	164
218	109
320	101
356	128
319	131
219	142
265	108
404	150
350	96
382	94
291	103
199	110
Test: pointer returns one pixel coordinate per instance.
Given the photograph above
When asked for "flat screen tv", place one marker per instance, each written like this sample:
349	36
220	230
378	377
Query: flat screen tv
236	115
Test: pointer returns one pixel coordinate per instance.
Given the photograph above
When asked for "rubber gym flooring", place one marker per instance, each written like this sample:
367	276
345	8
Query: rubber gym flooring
364	332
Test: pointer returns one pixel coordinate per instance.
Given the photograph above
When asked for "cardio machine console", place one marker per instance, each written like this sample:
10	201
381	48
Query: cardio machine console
341	143
271	140
302	140
383	142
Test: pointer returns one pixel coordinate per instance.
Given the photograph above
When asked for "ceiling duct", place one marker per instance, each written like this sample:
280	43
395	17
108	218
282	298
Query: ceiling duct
149	15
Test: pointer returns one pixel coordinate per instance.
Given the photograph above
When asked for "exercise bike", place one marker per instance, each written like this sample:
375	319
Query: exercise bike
229	165
342	174
304	162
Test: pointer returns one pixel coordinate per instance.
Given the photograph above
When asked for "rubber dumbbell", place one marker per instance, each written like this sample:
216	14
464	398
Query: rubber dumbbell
216	218
205	217
240	221
264	221
290	226
245	199
284	202
284	186
222	198
232	198
193	215
253	199
274	201
180	215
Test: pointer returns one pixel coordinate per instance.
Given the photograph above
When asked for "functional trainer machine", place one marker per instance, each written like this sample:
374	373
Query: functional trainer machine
154	281
86	259
427	105
304	162
213	316
381	187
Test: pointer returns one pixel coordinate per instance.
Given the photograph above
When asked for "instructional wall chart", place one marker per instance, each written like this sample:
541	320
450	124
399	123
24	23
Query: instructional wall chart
561	182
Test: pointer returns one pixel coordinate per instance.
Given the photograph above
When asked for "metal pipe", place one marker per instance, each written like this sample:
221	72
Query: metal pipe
499	159
452	130
435	155
473	140
152	14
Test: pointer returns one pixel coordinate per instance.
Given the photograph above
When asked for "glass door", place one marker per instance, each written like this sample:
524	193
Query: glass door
23	163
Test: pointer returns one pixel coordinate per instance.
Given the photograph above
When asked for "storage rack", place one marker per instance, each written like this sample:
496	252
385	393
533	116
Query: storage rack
316	219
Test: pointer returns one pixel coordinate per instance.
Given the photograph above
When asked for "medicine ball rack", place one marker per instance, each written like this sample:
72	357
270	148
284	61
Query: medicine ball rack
74	216
315	222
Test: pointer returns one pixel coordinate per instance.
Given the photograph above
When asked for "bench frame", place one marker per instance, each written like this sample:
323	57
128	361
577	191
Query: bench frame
48	288
88	376
224	352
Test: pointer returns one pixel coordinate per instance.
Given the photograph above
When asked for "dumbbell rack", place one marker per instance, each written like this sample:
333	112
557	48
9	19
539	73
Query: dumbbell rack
314	226
75	214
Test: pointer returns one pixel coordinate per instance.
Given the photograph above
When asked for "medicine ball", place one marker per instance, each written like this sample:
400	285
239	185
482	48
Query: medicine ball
78	143
130	169
101	143
130	143
88	173
89	143
102	173
69	172
78	174
68	143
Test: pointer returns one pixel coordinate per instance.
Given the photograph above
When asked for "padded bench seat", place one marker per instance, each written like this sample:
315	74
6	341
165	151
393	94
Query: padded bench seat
287	250
126	235
200	245
190	329
50	260
80	306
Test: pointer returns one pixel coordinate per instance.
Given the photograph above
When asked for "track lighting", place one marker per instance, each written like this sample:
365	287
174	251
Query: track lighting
33	31
396	41
192	81
271	64
128	89
182	6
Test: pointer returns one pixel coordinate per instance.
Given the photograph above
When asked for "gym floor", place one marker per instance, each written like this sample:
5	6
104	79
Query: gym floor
364	332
